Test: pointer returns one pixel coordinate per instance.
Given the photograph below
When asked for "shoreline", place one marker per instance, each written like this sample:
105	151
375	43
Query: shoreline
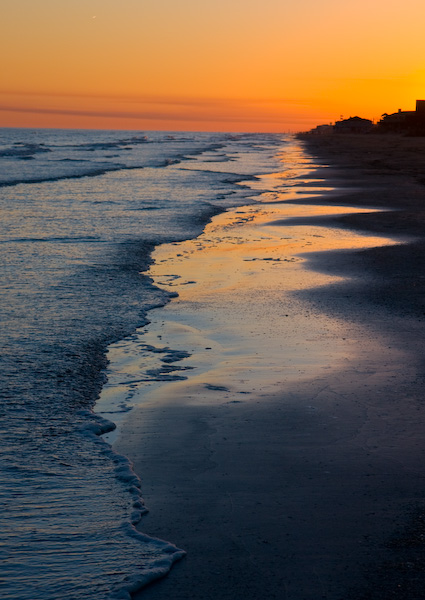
308	474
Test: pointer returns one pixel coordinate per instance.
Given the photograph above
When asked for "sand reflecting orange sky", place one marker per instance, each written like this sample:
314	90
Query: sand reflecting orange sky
229	65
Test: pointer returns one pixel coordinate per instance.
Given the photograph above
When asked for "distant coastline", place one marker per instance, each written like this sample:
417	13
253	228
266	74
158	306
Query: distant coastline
406	122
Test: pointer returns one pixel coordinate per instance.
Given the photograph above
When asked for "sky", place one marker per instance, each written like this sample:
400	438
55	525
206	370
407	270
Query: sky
203	65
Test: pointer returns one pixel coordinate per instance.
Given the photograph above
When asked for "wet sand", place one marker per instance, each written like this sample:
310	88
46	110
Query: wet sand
289	464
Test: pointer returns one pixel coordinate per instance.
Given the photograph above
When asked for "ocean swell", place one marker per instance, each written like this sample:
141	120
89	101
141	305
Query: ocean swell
73	254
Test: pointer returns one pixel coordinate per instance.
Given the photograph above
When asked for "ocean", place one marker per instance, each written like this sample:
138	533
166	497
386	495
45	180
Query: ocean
82	212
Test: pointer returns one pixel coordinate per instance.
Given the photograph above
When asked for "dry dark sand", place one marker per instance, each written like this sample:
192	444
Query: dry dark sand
315	491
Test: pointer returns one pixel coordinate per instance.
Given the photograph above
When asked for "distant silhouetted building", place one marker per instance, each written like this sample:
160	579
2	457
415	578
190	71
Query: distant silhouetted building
353	125
322	129
408	122
396	122
420	106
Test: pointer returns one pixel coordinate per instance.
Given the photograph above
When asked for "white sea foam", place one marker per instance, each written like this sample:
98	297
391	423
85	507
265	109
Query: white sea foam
72	249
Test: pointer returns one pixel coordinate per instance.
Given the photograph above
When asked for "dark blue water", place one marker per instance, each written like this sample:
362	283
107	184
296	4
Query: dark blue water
81	212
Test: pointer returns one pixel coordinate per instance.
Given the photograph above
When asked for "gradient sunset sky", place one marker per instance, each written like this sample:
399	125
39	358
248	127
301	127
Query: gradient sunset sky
222	65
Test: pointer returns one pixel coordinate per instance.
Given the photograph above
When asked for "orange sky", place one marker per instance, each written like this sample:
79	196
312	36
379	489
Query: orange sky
227	65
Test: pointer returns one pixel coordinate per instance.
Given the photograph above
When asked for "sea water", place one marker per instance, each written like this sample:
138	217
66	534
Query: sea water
81	212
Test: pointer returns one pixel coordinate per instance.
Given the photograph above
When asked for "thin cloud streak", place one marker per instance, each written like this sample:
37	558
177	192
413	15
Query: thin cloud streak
146	115
201	102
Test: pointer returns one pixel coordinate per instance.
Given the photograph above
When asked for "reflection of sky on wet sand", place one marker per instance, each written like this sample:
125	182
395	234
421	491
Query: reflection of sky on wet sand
245	333
300	179
224	256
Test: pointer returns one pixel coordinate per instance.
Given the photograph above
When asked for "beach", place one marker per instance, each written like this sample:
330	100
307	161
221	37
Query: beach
212	256
287	461
82	212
